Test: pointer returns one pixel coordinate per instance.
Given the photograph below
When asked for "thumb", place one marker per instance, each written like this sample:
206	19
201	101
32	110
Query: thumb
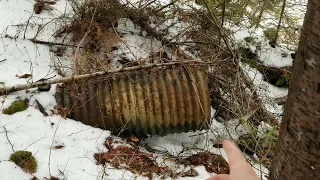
219	177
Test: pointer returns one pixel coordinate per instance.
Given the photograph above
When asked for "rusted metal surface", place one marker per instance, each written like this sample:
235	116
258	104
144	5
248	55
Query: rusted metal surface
154	101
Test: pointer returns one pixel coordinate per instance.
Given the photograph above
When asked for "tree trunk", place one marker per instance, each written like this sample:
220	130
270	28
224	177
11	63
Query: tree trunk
297	154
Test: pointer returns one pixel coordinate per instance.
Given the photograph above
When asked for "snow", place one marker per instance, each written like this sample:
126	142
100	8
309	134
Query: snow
280	55
31	130
134	46
274	57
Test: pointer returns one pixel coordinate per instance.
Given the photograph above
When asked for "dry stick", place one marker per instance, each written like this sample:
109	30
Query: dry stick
279	24
195	89
74	66
25	30
7	90
127	46
148	4
165	6
214	21
8	138
33	143
54	135
248	83
51	43
139	18
261	13
223	16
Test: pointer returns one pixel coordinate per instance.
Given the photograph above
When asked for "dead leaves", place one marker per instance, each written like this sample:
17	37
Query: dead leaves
58	147
108	143
212	162
52	178
63	111
144	163
131	159
43	4
133	141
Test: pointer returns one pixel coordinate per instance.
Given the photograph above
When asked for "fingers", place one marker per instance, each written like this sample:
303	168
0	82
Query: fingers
239	168
235	156
237	162
219	177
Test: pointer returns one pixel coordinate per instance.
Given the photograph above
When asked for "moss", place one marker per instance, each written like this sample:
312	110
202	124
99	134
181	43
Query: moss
249	39
284	80
25	160
273	134
270	34
16	106
247	144
248	57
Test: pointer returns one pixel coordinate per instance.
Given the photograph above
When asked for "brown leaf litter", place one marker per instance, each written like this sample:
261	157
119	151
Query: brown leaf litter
144	163
213	163
43	4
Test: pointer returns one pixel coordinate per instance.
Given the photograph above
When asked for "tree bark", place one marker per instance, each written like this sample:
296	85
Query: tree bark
297	154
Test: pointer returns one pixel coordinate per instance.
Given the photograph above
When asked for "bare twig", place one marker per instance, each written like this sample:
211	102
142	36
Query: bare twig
8	138
25	30
165	6
33	143
80	131
279	24
54	135
124	43
74	66
51	43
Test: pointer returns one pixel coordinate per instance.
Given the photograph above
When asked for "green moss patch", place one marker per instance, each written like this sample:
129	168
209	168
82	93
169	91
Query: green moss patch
25	160
270	34
16	106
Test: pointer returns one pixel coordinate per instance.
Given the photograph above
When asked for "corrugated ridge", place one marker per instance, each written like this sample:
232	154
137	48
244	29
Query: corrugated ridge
150	101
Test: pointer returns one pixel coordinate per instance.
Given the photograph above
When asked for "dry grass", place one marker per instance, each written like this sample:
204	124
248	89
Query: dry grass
92	28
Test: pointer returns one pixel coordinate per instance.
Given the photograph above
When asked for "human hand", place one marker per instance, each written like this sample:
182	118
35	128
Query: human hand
239	167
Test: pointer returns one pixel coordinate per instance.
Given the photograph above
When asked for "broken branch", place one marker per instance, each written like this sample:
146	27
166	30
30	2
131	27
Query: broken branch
7	90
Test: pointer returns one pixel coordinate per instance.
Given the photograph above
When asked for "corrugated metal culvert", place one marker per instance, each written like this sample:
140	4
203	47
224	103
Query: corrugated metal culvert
154	101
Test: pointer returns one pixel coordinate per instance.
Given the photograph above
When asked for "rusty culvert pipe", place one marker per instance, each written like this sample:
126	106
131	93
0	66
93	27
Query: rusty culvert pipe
153	101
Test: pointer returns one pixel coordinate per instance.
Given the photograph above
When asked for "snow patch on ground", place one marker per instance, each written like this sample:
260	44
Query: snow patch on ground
269	56
30	130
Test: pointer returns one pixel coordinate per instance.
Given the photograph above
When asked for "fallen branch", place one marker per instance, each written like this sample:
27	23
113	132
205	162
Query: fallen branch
7	90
